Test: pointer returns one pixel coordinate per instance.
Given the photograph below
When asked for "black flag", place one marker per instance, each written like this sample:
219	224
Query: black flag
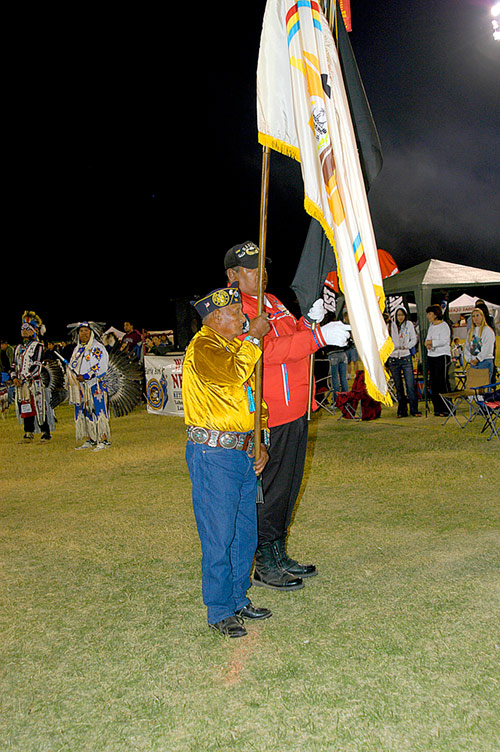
316	262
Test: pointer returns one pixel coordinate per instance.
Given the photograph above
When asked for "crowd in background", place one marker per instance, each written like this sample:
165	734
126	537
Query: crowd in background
343	362
139	343
131	339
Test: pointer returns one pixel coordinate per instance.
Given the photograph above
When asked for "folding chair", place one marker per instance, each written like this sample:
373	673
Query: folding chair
461	379
349	403
492	412
462	402
391	387
357	403
349	406
324	394
489	407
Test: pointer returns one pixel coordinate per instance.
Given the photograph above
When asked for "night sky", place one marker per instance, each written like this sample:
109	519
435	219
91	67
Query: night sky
133	163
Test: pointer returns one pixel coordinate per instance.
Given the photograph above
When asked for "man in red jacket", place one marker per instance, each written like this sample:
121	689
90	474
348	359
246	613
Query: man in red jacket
285	385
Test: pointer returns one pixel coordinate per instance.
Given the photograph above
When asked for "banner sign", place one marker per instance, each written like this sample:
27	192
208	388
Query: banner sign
164	384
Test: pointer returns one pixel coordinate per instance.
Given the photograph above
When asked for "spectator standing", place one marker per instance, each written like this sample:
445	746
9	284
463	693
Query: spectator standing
132	337
400	363
437	342
6	356
337	357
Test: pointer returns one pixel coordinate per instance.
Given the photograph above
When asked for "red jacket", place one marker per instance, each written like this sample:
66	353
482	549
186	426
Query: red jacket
287	347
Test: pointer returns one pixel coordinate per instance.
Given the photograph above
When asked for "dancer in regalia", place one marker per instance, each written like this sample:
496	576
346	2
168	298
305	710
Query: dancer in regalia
32	406
86	387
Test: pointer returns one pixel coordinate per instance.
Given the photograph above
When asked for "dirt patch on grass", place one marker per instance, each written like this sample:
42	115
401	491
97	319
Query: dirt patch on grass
240	655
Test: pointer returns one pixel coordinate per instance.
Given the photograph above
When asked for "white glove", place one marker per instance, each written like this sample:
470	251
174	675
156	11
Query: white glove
317	311
336	333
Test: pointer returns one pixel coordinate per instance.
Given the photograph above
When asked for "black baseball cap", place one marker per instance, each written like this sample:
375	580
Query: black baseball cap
244	254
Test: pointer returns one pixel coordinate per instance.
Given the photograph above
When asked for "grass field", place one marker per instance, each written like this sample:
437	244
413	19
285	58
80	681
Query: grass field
395	646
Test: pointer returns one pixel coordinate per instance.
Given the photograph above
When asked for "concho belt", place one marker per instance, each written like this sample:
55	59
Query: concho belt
224	439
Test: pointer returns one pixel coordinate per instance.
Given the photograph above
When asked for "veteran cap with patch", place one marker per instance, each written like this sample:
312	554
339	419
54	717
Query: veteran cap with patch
244	254
219	298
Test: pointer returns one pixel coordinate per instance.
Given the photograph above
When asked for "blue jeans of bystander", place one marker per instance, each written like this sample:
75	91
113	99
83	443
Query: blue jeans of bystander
338	370
402	369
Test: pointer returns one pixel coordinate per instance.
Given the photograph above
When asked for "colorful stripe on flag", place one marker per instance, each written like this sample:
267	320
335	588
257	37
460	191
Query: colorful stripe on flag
292	17
359	252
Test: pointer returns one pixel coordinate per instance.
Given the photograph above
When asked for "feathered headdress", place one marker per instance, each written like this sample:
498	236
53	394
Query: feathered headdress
30	320
95	326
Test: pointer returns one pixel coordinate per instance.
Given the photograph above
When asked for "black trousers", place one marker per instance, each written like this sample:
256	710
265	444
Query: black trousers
29	425
282	478
438	377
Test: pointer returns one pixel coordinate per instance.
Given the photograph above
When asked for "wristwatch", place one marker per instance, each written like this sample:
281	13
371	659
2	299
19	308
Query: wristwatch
253	340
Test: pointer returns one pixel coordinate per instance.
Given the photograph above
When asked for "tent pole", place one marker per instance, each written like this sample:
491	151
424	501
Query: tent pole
264	193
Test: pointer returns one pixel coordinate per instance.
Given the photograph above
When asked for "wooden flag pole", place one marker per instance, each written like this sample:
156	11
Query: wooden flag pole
264	191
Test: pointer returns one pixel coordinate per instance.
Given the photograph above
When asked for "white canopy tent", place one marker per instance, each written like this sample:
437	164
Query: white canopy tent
113	330
464	304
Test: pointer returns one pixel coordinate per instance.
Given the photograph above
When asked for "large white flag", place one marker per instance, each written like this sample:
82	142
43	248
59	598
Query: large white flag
303	111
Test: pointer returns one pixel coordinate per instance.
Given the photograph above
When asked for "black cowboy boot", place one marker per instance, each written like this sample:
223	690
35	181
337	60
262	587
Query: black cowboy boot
267	573
290	565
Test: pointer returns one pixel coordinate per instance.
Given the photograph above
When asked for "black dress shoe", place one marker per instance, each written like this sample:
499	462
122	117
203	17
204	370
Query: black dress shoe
232	626
251	612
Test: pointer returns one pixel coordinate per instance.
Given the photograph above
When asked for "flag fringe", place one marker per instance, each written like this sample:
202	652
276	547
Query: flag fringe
274	143
375	393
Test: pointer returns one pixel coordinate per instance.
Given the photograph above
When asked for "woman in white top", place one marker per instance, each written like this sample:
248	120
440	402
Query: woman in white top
401	365
480	343
437	342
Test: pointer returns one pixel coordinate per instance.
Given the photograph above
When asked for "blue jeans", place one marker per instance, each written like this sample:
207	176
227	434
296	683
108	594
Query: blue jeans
338	369
224	503
402	368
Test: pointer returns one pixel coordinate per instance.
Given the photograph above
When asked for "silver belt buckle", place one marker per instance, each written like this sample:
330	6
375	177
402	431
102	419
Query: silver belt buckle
198	435
228	439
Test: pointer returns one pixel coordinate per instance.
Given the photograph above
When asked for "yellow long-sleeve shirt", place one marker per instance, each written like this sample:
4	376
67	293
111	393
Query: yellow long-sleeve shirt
215	376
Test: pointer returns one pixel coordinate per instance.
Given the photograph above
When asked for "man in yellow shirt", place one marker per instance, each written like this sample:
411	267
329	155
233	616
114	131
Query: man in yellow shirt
217	392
